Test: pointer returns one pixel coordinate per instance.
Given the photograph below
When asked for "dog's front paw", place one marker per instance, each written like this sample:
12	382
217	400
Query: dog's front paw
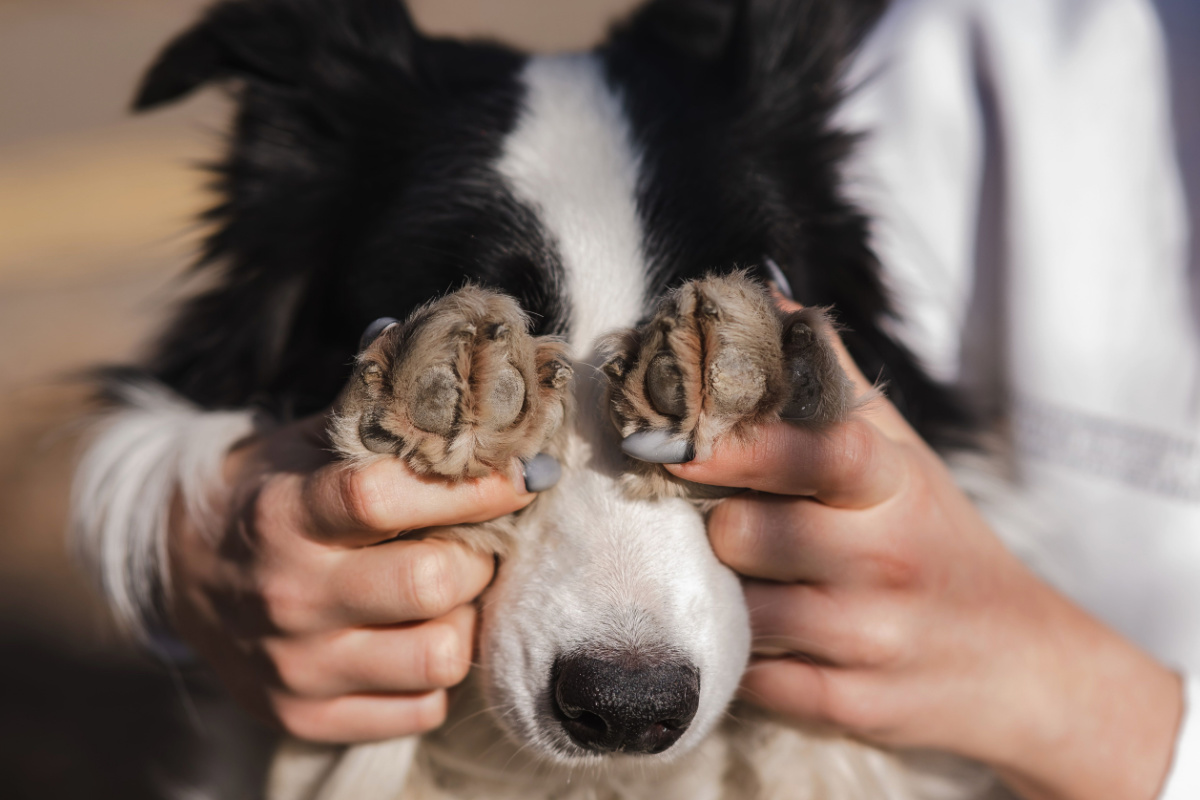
716	358
458	390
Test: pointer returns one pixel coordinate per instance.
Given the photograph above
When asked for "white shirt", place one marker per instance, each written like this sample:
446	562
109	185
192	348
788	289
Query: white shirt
1033	224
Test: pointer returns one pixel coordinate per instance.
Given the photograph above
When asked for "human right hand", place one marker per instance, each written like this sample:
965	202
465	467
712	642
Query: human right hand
307	605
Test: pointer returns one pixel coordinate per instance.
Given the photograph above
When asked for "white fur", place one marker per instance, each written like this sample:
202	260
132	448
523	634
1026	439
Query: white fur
156	446
590	567
572	158
595	570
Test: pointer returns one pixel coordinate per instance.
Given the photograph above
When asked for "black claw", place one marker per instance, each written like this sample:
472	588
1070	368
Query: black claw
555	374
378	439
799	335
372	374
615	367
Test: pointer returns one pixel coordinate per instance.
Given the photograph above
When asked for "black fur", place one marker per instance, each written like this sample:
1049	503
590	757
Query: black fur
357	182
356	186
735	120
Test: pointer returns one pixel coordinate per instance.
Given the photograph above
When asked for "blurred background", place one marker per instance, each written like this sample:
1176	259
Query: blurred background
96	232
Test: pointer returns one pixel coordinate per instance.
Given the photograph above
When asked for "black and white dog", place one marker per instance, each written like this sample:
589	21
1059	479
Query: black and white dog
614	215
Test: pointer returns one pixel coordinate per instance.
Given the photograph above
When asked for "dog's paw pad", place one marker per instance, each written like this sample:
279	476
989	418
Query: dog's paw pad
459	389
717	357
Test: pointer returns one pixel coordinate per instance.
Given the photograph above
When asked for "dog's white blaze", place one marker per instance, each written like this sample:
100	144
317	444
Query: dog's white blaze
571	157
592	567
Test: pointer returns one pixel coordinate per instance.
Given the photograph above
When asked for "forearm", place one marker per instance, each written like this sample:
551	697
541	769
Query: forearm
1100	720
1183	781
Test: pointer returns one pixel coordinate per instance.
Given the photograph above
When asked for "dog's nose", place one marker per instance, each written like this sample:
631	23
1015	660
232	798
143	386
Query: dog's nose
629	705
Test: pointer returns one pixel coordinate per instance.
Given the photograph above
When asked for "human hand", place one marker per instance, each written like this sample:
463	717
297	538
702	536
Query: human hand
884	606
308	610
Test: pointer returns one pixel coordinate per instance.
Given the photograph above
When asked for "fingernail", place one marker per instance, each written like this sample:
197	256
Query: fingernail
541	472
374	331
658	447
778	278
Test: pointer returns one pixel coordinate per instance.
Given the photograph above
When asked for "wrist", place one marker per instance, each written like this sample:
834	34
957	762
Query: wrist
1099	716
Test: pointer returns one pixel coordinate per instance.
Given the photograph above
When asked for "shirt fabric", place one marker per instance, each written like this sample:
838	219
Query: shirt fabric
1021	163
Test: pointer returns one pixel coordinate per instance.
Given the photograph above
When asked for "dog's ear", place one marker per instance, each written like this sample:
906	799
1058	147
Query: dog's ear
276	43
800	45
754	41
699	30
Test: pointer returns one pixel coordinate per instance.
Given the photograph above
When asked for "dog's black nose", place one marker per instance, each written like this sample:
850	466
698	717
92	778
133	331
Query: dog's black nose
631	705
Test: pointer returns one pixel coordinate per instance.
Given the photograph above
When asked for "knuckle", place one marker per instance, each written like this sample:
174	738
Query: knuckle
895	569
850	708
737	531
853	451
430	581
429	716
271	507
283	603
365	502
445	663
294	673
886	643
302	719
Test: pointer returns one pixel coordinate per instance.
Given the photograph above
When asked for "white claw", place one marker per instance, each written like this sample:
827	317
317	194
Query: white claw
778	278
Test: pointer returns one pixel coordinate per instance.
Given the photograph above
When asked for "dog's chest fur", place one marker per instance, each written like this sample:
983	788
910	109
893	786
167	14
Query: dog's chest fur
747	758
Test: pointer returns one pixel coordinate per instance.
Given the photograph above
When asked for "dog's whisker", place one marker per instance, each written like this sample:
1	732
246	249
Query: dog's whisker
755	695
497	710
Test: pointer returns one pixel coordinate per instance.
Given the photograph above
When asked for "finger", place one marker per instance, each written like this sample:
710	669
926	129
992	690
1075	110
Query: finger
837	699
405	581
827	627
372	504
789	540
803	690
852	465
795	688
361	717
418	658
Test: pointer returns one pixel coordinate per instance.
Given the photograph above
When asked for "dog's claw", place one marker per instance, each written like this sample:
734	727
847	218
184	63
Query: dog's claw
541	472
375	330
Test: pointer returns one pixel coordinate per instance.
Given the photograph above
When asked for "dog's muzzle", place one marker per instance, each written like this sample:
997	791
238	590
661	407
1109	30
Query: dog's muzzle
624	704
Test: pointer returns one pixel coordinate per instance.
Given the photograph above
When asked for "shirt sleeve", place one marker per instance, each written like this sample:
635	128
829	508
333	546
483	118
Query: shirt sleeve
1183	781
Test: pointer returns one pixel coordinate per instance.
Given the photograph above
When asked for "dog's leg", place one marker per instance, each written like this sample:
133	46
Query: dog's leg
458	390
717	358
